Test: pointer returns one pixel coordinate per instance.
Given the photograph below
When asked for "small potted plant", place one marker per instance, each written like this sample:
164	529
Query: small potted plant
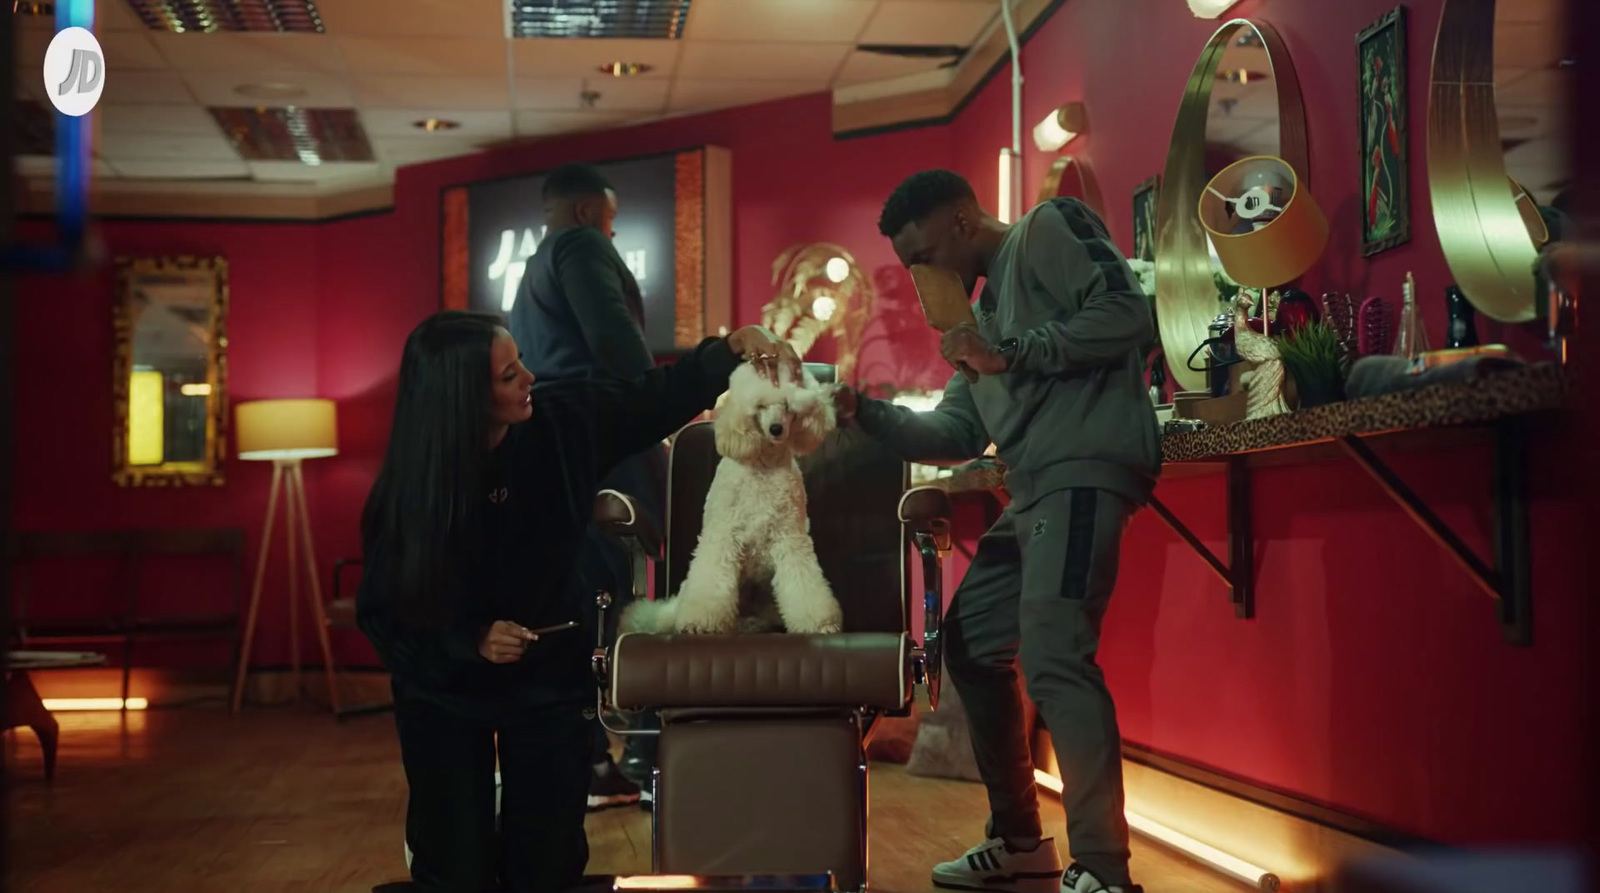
1310	355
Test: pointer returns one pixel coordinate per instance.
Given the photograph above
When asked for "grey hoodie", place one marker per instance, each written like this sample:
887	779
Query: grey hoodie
1073	409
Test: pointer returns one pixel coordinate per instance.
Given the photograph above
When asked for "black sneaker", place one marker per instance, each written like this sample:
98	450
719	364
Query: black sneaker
608	787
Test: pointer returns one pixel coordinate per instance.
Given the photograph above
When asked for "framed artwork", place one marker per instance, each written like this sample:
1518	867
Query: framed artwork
1145	197
673	230
1385	186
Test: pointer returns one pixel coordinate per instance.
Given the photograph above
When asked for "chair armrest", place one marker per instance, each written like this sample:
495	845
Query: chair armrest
619	516
926	512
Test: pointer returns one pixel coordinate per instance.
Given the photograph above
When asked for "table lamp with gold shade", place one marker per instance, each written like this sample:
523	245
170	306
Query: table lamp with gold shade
287	432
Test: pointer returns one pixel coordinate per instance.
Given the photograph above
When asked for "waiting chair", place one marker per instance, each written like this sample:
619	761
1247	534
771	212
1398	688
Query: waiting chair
762	767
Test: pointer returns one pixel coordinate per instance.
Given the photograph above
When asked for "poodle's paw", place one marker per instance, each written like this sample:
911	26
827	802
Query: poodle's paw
817	616
700	616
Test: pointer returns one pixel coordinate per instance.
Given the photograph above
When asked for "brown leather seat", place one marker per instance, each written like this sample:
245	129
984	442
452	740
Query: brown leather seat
762	763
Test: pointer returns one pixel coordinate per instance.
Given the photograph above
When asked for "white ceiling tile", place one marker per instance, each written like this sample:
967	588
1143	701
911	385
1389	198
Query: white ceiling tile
864	67
176	119
538	123
929	22
415	18
446	56
407	92
115	15
413	150
539	93
131	50
296	172
629	94
221	88
560	57
146	87
402	123
180	169
117	146
695	95
229	51
825	21
723	60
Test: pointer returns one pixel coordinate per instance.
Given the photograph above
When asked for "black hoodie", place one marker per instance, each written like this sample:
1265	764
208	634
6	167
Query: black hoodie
542	481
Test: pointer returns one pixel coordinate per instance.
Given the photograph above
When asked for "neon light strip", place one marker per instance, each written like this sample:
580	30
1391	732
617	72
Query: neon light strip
73	136
66	704
1227	864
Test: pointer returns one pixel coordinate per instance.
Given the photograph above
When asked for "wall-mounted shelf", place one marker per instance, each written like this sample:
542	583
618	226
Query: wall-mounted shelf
1499	405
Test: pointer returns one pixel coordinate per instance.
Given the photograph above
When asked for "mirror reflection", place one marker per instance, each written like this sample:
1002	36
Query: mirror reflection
169	372
1532	75
1242	119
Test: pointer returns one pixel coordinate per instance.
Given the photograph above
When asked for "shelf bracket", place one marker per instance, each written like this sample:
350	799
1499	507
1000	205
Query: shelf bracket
1239	573
1508	581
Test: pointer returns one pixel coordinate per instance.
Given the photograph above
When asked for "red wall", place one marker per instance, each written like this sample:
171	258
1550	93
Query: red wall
1373	676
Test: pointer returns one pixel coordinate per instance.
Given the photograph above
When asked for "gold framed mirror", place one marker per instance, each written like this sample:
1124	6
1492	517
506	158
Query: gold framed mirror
1497	137
1071	177
170	371
1242	99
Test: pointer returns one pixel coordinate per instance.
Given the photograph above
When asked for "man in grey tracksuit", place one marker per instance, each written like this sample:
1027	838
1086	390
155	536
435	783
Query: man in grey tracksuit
1059	390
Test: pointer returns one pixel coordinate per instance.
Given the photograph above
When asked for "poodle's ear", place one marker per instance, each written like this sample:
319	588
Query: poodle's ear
814	418
735	434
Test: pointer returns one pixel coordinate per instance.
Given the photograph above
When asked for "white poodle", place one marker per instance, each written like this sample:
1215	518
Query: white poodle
754	536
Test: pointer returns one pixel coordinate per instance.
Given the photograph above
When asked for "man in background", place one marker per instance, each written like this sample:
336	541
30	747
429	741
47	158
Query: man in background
579	313
1056	382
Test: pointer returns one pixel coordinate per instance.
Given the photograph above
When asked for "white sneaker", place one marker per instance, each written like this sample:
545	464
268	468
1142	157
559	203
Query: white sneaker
992	866
1079	880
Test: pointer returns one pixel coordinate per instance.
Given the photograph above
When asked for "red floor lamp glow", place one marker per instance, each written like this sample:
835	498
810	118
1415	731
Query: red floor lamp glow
286	432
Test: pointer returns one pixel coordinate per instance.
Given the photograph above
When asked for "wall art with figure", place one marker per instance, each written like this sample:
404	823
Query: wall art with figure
1145	197
1386	190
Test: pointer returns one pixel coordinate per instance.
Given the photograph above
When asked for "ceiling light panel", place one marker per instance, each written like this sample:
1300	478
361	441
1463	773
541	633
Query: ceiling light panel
647	19
185	16
310	136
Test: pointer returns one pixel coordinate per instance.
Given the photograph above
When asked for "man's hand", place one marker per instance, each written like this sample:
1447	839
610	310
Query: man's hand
765	351
504	642
963	346
844	403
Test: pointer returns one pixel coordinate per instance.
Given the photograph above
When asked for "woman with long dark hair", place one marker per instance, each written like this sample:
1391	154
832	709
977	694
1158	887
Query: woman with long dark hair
470	534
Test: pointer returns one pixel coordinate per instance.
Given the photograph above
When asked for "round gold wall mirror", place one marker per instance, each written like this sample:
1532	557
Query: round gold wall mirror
1071	177
1497	145
1242	100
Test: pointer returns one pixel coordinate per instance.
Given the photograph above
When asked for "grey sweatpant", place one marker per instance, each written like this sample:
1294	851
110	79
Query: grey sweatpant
1038	585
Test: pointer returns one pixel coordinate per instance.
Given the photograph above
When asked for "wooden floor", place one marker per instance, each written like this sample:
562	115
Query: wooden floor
283	800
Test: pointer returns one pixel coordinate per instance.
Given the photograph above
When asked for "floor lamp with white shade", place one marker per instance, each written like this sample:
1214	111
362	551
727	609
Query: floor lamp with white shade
287	432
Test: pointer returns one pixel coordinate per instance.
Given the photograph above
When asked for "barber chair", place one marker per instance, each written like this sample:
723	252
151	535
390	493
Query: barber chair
761	778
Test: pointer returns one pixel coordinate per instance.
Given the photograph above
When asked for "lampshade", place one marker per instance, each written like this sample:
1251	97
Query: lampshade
1210	9
287	429
1266	229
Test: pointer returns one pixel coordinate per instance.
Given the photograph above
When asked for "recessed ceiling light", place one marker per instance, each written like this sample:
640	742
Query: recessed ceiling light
270	92
625	69
433	124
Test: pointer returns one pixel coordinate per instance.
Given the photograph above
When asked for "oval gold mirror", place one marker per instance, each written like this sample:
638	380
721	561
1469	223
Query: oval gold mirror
1242	100
1497	138
1071	177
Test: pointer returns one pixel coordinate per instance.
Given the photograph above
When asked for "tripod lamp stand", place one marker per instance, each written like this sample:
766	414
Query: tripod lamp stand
286	432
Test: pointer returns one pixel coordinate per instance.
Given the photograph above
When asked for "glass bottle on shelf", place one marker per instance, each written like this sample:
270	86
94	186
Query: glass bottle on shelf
1413	335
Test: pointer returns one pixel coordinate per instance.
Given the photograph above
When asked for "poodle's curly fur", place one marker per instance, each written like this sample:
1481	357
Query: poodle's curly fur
755	531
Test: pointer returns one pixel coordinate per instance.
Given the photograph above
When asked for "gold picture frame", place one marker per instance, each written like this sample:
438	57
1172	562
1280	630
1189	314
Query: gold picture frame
188	297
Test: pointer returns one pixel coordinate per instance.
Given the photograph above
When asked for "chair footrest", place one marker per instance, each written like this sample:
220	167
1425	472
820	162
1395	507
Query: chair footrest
736	883
850	670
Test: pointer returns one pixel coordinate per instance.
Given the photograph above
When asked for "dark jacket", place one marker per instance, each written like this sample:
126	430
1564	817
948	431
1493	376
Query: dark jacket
579	312
543	478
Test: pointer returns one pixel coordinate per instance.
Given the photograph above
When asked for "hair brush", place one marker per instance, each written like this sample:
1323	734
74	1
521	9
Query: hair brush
1374	329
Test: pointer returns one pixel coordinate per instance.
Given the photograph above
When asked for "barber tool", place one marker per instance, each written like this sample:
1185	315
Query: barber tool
1373	327
559	627
1340	312
945	302
1220	354
1461	330
1413	336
